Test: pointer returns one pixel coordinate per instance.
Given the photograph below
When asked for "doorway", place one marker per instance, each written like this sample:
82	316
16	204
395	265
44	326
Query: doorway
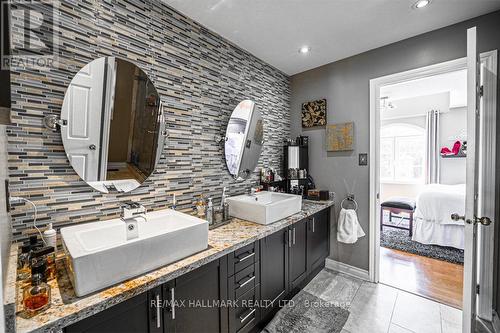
404	173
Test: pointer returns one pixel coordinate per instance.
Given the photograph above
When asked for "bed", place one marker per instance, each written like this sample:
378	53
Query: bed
432	220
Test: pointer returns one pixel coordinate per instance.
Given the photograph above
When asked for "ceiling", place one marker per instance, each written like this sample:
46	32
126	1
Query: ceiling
454	82
274	30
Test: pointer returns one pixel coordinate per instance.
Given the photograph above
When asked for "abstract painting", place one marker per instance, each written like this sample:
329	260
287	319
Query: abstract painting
340	137
314	113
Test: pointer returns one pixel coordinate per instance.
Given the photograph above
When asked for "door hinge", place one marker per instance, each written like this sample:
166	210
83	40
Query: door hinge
481	91
478	288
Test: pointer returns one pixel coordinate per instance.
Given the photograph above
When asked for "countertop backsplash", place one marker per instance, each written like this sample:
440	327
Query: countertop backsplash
200	77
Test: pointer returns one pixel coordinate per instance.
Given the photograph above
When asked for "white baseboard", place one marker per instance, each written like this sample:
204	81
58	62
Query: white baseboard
347	269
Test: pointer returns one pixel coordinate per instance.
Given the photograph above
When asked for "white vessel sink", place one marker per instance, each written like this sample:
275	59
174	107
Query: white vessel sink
264	207
99	255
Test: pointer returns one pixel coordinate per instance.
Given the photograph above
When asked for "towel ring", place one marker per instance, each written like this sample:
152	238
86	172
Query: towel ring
351	200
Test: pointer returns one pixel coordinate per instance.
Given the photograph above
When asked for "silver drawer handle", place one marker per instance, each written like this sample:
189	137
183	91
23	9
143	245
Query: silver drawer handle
246	282
158	312
247	316
293	236
246	257
172	302
313	224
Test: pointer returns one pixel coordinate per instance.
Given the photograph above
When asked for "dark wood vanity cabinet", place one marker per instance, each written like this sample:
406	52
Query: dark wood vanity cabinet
297	244
194	300
274	270
257	278
137	314
318	239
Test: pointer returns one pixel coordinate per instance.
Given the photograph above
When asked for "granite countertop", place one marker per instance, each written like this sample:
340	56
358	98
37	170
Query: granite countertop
67	308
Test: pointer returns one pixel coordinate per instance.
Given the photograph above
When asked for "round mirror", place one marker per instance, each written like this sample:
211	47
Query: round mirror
112	125
244	140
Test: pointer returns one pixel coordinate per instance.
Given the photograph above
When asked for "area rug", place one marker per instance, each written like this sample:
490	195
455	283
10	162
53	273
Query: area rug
308	314
398	239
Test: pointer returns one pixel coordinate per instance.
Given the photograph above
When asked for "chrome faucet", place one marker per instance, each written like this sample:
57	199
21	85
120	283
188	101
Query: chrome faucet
132	210
253	191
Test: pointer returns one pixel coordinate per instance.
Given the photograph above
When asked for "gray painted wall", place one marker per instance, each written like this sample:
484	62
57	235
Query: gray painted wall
345	84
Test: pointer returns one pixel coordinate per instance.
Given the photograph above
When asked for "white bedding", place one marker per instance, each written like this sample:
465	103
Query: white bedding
436	203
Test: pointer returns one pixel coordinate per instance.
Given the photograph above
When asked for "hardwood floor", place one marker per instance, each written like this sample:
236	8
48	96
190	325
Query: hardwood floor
439	280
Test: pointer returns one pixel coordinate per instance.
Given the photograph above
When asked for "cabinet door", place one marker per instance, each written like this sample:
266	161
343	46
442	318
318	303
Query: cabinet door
132	315
274	270
298	254
318	239
195	296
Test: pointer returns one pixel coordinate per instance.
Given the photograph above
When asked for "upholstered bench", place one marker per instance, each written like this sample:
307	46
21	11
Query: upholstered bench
396	206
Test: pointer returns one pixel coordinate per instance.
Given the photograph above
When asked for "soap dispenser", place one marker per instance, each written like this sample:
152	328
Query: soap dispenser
50	236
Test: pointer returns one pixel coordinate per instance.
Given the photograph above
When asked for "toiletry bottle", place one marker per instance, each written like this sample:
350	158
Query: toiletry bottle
35	243
23	264
210	210
45	255
224	205
200	207
50	236
174	202
36	297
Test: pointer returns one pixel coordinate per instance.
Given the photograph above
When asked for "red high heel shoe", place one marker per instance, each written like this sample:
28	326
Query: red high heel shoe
454	151
456	147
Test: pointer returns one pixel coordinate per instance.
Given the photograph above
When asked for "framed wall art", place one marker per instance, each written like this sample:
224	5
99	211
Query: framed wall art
314	113
340	137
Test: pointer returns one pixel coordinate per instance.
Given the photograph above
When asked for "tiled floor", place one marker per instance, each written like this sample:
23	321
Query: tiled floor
379	308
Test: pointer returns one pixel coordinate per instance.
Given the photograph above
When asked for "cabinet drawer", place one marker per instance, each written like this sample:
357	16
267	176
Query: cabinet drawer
242	258
246	312
244	280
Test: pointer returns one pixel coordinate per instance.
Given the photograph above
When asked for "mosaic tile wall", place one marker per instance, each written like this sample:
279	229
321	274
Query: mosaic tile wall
201	77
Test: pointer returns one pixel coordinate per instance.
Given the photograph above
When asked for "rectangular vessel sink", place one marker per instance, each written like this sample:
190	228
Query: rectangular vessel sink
99	255
264	207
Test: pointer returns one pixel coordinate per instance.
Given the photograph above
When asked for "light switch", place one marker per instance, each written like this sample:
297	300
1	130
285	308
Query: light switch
363	159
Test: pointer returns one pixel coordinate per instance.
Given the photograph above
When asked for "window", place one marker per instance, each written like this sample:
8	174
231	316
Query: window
402	153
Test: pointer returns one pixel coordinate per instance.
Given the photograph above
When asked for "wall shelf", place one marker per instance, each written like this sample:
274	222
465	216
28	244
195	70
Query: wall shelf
454	156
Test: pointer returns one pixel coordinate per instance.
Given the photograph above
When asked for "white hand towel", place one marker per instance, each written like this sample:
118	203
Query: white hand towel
348	228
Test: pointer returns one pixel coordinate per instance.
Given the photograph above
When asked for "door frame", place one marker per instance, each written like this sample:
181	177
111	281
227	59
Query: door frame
489	104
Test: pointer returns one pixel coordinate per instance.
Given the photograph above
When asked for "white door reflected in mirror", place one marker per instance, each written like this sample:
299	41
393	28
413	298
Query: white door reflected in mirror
113	130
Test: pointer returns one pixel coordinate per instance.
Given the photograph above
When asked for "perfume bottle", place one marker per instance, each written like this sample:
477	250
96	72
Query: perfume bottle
23	263
36	297
200	207
47	256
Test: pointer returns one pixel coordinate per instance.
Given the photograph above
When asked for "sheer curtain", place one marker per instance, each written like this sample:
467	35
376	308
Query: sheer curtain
432	151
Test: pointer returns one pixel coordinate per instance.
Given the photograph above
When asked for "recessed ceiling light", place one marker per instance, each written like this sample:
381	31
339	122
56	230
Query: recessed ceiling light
421	3
304	49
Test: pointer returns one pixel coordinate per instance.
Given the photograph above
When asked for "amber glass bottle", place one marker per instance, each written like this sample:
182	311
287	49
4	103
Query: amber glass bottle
36	297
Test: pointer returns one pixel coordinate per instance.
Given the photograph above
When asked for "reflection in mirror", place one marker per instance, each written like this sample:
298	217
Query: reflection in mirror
244	140
114	131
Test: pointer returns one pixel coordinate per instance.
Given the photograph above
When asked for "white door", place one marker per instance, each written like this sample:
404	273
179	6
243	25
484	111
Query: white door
82	108
472	185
